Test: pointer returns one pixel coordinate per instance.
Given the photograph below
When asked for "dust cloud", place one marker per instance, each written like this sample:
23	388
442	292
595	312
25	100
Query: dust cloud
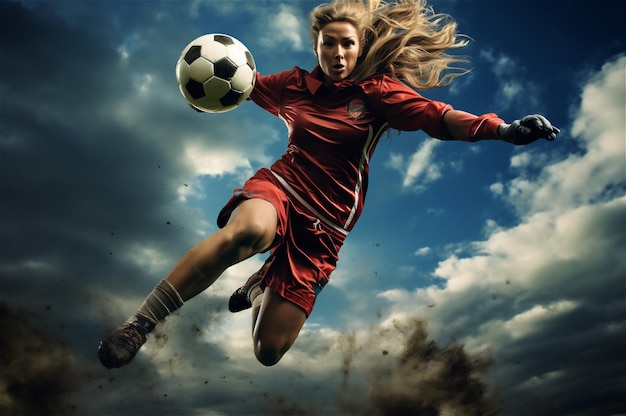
37	372
421	378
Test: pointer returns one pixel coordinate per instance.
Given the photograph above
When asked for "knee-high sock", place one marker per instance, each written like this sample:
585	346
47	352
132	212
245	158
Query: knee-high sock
162	301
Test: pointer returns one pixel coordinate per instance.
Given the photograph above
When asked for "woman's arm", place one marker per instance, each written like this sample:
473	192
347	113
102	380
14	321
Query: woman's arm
469	127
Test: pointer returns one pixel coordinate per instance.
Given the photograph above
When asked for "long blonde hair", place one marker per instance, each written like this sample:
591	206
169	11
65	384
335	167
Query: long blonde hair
404	39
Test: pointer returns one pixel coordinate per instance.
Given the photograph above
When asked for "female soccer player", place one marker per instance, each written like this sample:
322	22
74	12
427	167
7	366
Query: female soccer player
372	57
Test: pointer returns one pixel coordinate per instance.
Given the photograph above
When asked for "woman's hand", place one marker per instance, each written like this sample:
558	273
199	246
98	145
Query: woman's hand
527	130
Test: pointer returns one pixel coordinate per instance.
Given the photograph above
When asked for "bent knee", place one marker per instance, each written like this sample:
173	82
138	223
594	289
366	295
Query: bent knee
253	225
268	356
270	351
254	236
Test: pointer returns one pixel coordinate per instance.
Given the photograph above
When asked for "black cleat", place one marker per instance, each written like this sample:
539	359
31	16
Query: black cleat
121	346
240	299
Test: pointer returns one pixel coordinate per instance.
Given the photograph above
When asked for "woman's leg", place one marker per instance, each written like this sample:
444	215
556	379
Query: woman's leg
250	230
276	323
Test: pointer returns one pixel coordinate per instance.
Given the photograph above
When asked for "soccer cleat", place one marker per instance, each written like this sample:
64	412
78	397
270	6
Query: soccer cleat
240	299
121	346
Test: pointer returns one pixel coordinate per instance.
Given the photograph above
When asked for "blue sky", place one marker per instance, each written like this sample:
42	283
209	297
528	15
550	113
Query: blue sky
107	178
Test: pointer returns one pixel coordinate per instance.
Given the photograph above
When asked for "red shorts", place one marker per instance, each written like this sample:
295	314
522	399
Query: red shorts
305	250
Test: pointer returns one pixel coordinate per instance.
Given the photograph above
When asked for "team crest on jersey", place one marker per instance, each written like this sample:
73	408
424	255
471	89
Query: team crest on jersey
357	109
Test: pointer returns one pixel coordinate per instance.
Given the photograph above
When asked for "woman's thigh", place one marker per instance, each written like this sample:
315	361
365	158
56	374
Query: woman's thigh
277	326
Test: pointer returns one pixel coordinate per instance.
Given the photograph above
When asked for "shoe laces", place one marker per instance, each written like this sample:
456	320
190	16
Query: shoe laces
132	334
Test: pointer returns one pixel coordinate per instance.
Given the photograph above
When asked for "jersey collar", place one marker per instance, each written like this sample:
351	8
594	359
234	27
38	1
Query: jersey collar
314	81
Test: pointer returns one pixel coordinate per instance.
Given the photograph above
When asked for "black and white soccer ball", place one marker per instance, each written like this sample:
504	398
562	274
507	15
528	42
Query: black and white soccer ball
215	73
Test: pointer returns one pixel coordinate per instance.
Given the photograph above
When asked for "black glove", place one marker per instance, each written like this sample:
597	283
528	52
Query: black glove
528	129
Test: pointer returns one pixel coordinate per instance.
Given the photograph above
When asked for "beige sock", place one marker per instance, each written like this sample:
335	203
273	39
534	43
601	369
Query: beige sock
256	296
162	301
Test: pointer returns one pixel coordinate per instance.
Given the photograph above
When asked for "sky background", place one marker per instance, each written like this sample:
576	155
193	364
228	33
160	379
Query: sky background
485	272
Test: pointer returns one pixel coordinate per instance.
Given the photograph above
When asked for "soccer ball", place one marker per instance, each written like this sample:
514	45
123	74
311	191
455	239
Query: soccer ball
215	73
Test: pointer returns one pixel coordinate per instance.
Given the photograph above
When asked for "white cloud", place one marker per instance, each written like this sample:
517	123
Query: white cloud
531	321
394	295
278	24
600	171
502	64
521	160
291	25
405	271
437	212
285	28
232	144
152	260
420	169
216	162
236	276
190	191
513	88
422	251
497	188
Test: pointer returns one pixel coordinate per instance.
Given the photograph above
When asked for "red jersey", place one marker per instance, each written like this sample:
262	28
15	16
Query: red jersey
333	130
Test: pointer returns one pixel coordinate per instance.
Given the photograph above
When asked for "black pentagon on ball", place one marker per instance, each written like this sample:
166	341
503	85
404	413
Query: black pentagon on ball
192	54
195	89
225	68
250	60
224	40
231	98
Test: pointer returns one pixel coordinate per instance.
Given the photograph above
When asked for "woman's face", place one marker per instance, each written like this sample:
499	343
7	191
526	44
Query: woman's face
338	49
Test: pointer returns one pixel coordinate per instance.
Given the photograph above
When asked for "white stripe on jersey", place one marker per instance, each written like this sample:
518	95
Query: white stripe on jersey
369	143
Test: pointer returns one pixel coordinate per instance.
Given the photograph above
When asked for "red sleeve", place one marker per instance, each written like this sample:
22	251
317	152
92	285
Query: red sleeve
477	127
268	90
404	109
